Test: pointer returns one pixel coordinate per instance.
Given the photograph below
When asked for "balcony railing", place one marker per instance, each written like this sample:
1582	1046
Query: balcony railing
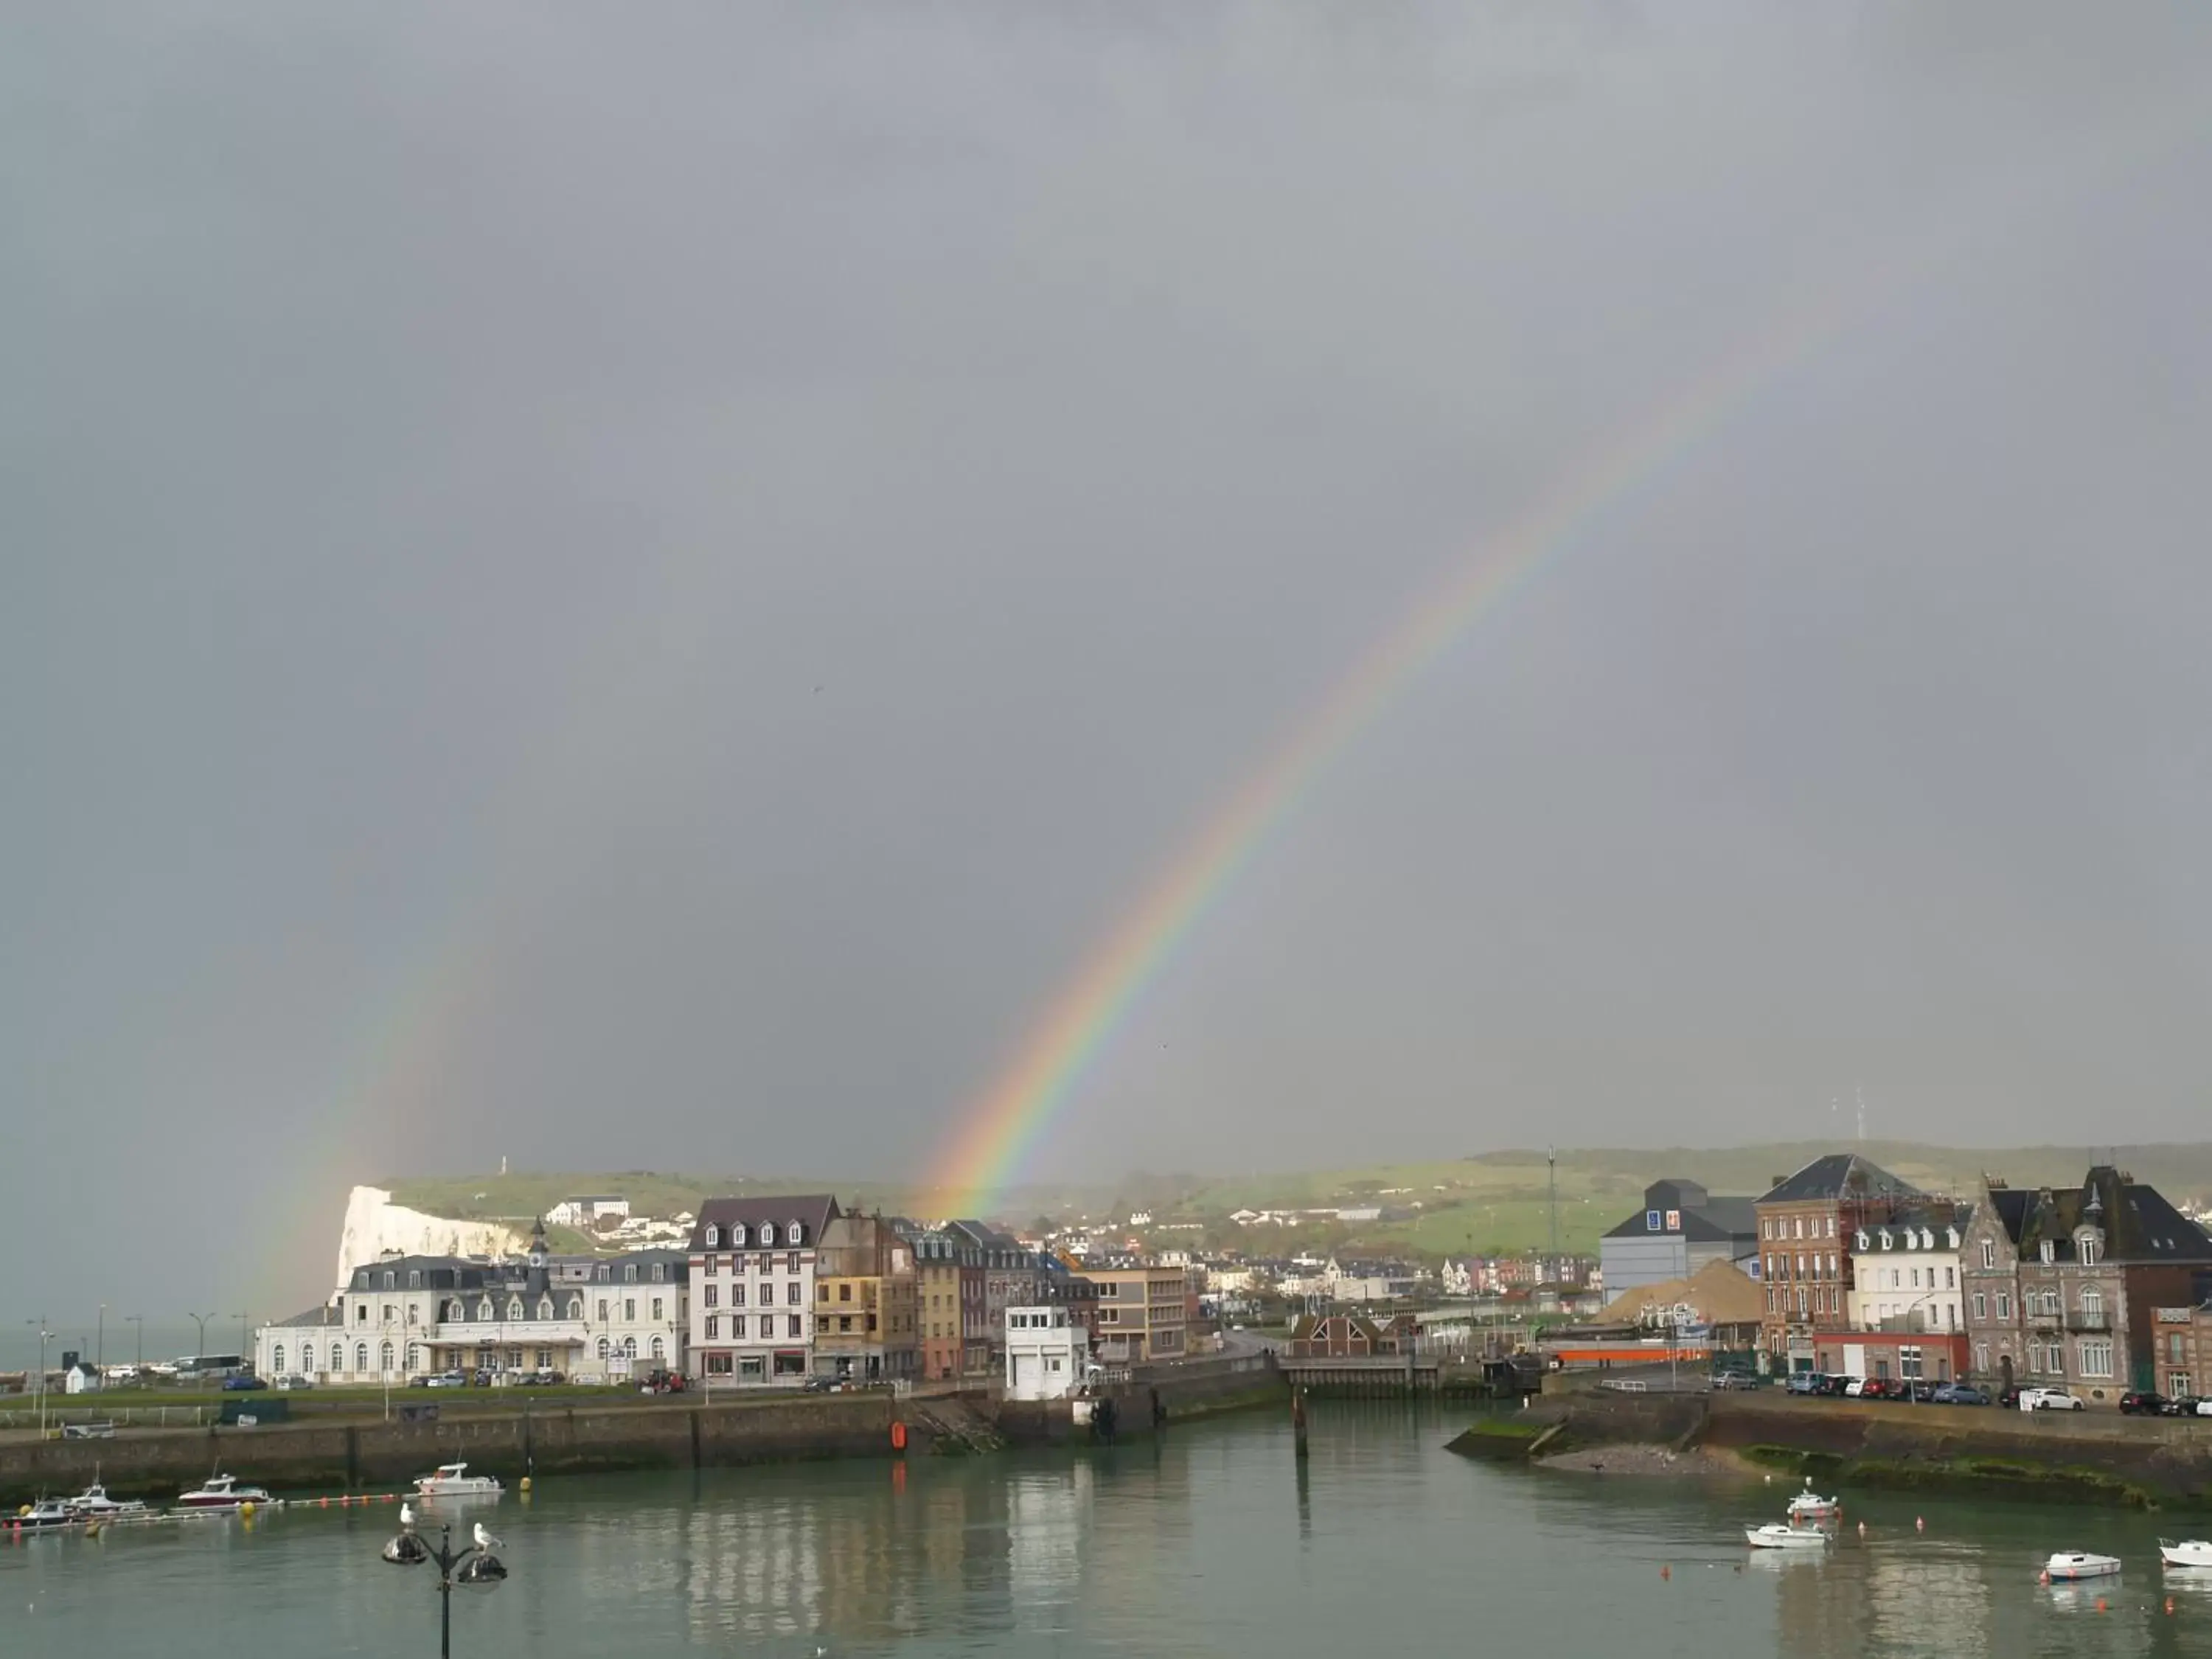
2088	1322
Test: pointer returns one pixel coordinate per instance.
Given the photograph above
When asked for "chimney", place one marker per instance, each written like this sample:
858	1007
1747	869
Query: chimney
1772	1181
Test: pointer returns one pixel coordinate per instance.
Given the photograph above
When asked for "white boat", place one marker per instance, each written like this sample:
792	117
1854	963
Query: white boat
2188	1552
2070	1565
94	1504
1809	1505
44	1515
1775	1536
454	1481
221	1492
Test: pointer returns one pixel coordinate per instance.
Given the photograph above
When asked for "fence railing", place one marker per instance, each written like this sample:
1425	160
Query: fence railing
139	1417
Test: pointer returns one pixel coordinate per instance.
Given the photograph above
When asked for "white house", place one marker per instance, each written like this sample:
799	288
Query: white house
1458	1279
1046	1354
83	1377
588	1211
1905	1271
752	1289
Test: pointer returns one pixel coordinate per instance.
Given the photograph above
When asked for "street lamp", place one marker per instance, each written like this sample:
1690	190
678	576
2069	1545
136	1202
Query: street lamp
100	1344
45	1336
245	1338
201	1320
479	1570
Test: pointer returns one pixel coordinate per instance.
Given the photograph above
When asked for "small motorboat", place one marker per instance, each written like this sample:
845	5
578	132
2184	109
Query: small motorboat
1809	1505
454	1481
221	1492
2188	1552
44	1515
94	1504
2069	1565
1775	1536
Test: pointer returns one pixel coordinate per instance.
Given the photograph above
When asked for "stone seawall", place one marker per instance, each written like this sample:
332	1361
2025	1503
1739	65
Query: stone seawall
306	1457
310	1457
2092	1456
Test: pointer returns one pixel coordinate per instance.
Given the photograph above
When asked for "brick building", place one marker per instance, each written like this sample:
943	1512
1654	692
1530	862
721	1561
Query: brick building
2062	1285
1807	1222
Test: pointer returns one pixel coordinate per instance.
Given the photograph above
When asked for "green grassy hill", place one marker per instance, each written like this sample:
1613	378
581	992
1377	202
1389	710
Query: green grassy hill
1492	1203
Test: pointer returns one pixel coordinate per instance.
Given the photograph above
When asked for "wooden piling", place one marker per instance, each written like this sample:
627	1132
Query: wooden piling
1299	1419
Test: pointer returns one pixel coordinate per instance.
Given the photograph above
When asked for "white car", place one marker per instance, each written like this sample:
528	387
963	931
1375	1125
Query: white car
1855	1387
2049	1399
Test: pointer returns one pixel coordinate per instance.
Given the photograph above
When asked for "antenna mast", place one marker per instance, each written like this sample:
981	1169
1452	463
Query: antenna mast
1552	1158
1861	1094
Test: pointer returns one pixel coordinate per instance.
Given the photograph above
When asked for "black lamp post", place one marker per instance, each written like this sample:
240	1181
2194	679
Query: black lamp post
472	1566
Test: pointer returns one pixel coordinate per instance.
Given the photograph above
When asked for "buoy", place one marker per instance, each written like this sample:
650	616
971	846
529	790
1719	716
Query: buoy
526	1483
246	1511
1861	1528
2169	1606
92	1529
1919	1524
898	1436
1666	1571
2101	1604
2043	1578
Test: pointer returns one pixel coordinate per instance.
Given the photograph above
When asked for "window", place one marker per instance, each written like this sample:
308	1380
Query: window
659	1349
1766	1227
1982	1357
514	1359
791	1293
415	1357
1801	1298
484	1310
630	1348
2004	1304
791	1261
844	1322
307	1358
630	1273
656	1307
2048	1251
1797	1227
717	1364
714	1237
2093	1301
630	1310
737	1324
660	1273
2097	1358
714	1327
736	1295
545	1307
514	1306
391	1281
1989	1253
276	1359
1981	1305
604	1272
738	1235
2088	1250
793	1232
1950	1279
794	1325
714	1292
1832	1226
1651	1221
384	1357
603	1310
361	1356
414	1279
386	1320
1916	1286
602	1347
844	1293
767	1232
2177	1385
575	1307
2174	1355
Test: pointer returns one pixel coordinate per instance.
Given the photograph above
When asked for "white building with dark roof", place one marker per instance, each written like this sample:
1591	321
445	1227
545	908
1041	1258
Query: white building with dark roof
753	1265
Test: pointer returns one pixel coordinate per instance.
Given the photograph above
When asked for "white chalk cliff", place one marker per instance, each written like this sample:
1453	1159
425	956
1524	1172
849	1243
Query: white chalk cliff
374	1225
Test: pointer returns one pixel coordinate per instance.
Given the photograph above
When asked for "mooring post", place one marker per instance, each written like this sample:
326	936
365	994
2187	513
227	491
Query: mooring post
1299	1419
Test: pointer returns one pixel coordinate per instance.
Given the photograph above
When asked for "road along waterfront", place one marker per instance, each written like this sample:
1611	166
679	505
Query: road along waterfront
1210	1539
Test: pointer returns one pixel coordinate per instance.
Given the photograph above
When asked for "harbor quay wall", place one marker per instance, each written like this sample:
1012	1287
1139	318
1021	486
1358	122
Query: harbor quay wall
1190	1391
2088	1457
309	1456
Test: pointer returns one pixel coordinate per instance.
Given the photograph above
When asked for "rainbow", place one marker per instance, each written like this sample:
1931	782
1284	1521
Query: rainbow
990	1144
1013	1117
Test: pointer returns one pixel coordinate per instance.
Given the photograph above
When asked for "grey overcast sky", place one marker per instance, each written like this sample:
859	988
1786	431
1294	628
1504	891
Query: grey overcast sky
635	586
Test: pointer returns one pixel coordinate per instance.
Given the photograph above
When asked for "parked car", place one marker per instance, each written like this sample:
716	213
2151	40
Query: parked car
542	1379
1804	1383
1912	1390
2144	1401
296	1382
485	1379
2049	1399
447	1380
1855	1388
2192	1406
1959	1394
423	1382
1836	1385
2008	1398
661	1382
1735	1380
240	1384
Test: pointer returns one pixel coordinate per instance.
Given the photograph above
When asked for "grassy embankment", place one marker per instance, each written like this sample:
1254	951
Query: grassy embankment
1493	1203
2006	1479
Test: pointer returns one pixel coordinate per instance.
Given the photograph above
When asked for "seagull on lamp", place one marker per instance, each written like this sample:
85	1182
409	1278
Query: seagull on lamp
485	1540
406	1514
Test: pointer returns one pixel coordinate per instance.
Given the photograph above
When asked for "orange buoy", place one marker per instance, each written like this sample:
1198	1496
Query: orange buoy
898	1436
1666	1571
2101	1604
2169	1605
2043	1578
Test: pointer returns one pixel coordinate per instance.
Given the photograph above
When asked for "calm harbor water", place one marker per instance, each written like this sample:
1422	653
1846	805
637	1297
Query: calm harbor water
1209	1543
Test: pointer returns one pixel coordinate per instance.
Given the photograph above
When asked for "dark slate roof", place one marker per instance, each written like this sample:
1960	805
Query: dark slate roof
315	1316
1841	1175
1932	1217
1710	1223
812	1211
2138	1223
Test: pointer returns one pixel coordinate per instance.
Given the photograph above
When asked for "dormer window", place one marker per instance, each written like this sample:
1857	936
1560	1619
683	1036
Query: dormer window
660	1274
414	1279
1951	1237
484	1310
714	1236
2050	1250
794	1233
1989	1253
630	1273
514	1306
1865	1243
545	1307
767	1232
391	1281
2087	1247
737	1234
